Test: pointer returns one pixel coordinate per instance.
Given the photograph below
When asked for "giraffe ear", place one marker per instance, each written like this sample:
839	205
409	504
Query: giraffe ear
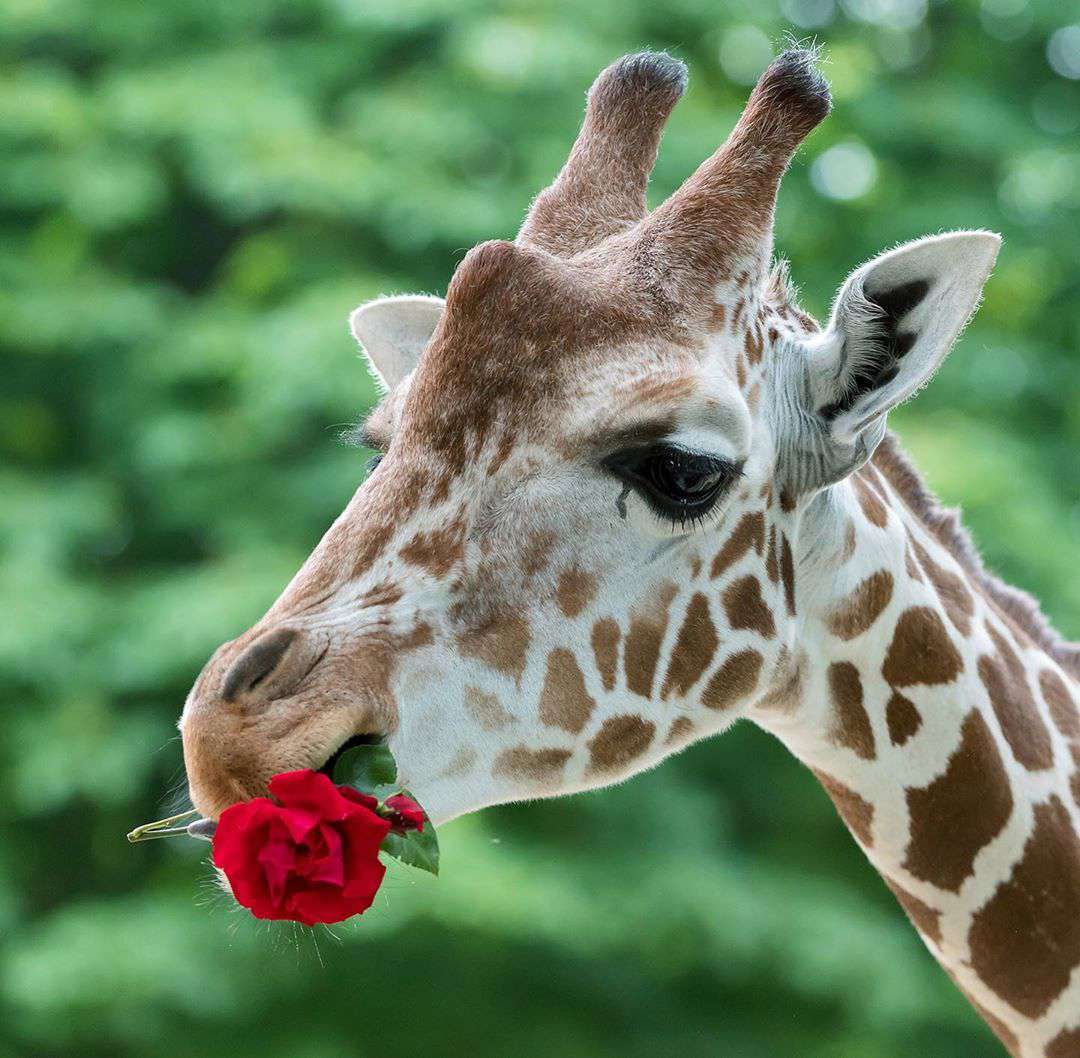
893	322
393	332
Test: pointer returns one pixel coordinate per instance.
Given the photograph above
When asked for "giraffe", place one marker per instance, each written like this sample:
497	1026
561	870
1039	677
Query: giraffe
629	493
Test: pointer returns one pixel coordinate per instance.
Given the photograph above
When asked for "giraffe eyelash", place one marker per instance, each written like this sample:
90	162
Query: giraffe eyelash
681	487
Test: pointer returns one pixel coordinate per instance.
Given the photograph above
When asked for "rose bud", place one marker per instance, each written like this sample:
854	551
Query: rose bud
405	813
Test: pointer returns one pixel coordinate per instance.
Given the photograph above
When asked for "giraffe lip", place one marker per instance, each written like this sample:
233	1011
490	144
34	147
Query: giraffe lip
350	743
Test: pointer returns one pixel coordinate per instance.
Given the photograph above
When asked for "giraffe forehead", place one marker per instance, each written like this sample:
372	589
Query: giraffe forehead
522	340
527	379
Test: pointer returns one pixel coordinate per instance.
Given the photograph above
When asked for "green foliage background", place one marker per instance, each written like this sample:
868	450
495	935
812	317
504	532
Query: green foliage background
193	195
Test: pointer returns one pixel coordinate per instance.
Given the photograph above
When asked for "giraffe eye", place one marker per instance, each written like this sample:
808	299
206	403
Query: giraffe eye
678	485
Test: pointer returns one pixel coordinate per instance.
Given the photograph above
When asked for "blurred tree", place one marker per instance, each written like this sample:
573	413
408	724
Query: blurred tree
193	195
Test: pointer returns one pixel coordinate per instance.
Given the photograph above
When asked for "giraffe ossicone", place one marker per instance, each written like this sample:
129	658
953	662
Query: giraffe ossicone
630	492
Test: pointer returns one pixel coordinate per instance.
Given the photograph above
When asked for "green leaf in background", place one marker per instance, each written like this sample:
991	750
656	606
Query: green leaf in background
369	769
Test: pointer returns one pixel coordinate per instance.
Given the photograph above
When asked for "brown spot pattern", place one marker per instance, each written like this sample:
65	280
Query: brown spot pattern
870	476
387	507
461	764
750	532
564	701
536	552
787	574
501	645
682	727
753	343
642	649
381	594
854	810
921	651
786	683
862	606
437	551
620	741
1066	1044
502	453
852	724
961	811
1019	609
1059	701
1014	706
951	590
902	718
772	563
850	542
734	680
910	564
1026	939
605	645
927	921
876	512
540	767
997	1026
486	709
745	608
694	648
574	591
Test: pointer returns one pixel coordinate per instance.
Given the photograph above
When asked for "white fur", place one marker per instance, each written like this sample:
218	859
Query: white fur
957	264
393	332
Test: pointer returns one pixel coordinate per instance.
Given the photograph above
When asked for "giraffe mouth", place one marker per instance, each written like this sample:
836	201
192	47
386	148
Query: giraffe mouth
351	742
205	828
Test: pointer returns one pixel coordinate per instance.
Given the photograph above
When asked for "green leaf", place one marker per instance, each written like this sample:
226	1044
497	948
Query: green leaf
372	770
369	769
416	848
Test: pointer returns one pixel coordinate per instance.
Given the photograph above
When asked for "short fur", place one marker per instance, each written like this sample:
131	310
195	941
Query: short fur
944	523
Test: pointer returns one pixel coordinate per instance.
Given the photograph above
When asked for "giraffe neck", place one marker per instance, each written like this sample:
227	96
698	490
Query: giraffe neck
950	743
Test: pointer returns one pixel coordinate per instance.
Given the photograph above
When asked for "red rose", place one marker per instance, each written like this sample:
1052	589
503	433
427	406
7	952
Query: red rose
405	813
310	855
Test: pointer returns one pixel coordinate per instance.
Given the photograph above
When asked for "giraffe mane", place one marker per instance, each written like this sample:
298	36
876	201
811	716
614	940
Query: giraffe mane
944	522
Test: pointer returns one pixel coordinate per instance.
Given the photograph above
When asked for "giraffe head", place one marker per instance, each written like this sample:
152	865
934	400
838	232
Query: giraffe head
576	552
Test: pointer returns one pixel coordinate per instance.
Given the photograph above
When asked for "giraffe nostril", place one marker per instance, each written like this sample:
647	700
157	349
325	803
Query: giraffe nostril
257	661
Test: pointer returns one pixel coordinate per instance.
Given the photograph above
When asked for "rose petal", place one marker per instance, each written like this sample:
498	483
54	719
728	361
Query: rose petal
360	798
321	903
329	904
328	864
361	848
277	860
311	856
311	790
